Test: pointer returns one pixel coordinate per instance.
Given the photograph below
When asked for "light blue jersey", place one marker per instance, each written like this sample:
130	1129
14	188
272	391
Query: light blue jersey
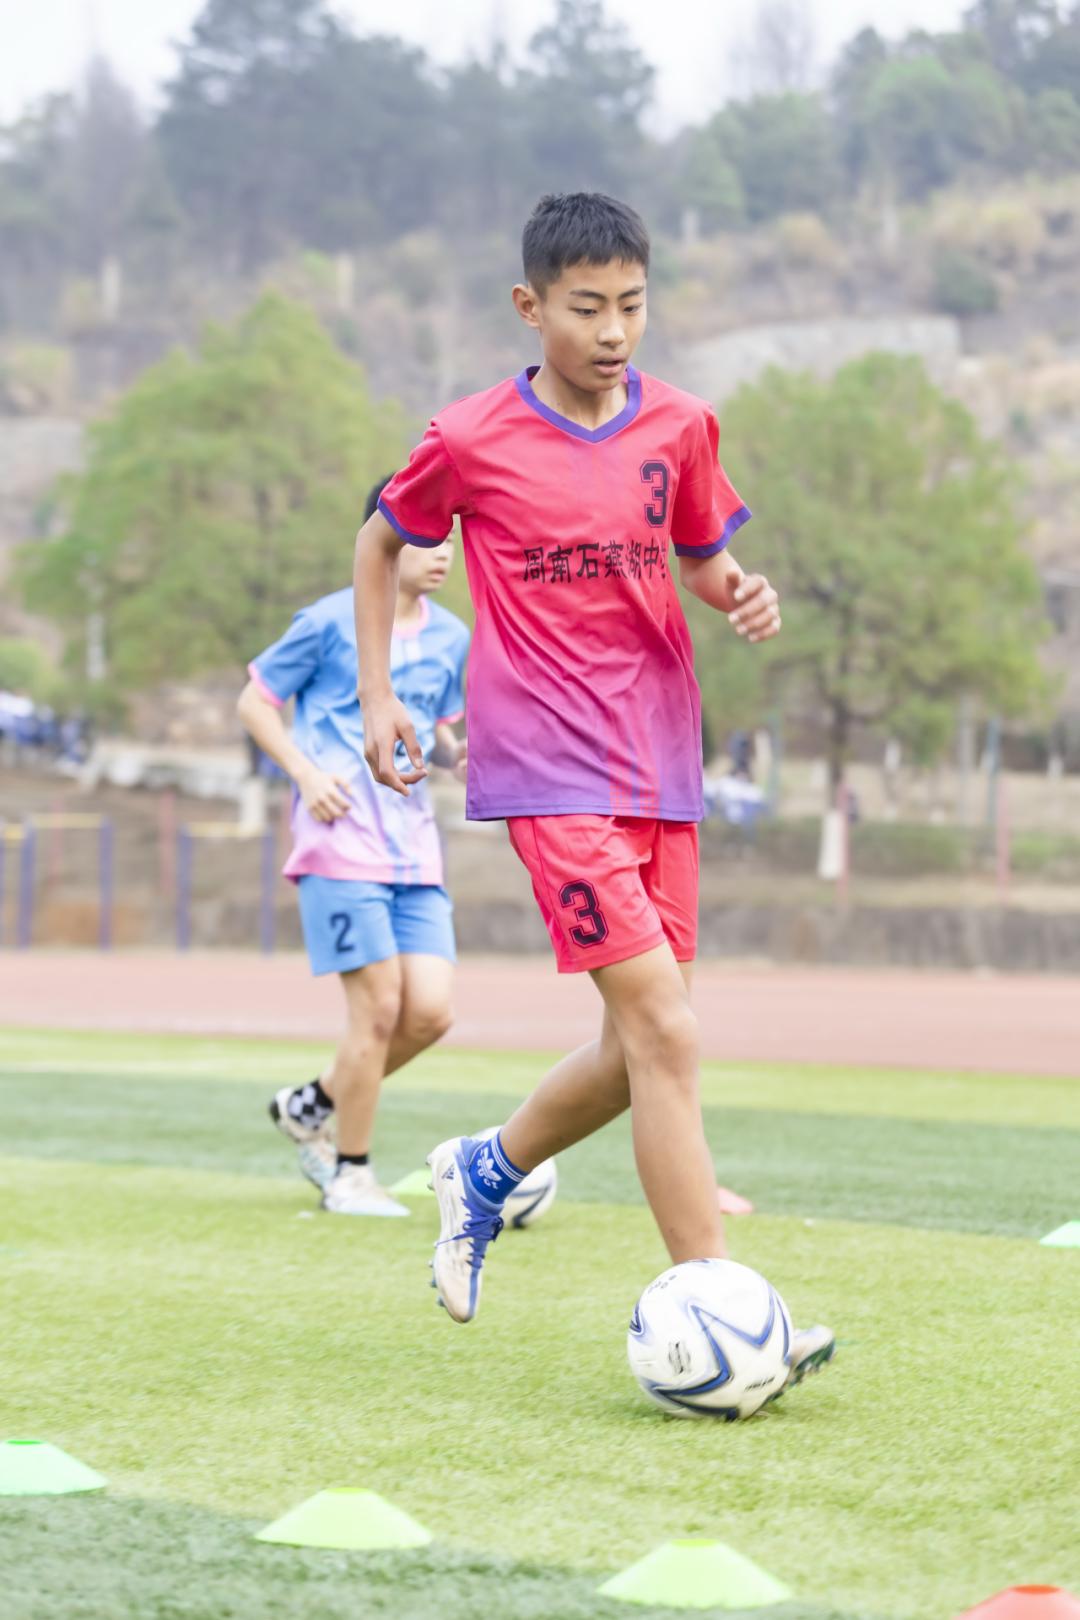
384	838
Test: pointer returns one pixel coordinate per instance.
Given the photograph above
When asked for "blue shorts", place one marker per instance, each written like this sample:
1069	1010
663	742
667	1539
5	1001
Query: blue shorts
348	923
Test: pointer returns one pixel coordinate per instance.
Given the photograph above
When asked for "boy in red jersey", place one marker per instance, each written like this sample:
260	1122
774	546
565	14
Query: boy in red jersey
584	714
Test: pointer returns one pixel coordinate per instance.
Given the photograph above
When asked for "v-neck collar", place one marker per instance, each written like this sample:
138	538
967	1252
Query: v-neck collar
575	429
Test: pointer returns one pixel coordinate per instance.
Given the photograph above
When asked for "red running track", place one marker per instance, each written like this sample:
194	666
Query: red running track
1009	1024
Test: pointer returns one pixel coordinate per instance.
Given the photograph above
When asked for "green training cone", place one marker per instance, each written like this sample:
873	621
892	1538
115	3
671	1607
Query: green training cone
414	1185
36	1468
349	1519
1063	1237
693	1574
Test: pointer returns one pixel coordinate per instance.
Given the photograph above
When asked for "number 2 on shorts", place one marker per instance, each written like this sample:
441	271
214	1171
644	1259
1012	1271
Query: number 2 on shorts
582	896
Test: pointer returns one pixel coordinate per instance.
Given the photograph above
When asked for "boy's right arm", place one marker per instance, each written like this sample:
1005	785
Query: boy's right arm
386	719
324	795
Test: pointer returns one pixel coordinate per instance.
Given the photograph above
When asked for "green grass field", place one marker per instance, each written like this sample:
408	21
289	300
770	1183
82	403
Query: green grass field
174	1314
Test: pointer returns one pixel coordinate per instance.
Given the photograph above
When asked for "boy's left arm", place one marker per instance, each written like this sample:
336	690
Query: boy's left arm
751	604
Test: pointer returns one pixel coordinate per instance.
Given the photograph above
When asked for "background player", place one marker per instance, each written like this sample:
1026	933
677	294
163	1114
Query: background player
584	713
367	862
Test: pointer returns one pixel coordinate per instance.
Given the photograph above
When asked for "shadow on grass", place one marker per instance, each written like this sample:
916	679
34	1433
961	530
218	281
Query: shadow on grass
114	1558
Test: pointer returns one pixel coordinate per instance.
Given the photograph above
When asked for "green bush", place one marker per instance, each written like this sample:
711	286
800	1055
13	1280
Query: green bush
25	668
789	847
900	849
1046	855
35	378
894	849
879	849
962	287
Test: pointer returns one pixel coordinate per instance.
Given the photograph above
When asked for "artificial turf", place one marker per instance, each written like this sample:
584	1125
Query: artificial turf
175	1315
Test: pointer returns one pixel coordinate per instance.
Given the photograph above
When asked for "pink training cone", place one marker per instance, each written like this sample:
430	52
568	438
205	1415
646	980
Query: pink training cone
1027	1603
733	1203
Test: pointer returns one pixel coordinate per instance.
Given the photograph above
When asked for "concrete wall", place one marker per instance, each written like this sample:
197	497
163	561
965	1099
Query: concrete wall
719	367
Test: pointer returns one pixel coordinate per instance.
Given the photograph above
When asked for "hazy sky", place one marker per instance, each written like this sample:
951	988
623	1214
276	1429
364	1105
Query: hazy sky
691	42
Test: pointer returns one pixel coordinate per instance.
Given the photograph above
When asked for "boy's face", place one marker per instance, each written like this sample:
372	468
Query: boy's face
424	568
590	321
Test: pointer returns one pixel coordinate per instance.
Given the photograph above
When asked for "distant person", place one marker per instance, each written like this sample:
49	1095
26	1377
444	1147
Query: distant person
74	740
571	481
741	748
367	863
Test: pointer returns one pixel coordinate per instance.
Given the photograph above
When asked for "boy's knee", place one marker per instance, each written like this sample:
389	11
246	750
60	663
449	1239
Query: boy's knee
427	1023
668	1035
379	1018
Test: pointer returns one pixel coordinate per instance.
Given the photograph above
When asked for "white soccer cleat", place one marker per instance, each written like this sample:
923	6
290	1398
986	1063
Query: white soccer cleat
811	1349
467	1224
353	1190
315	1148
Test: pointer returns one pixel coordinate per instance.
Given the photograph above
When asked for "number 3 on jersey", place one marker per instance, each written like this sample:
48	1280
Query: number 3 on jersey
591	928
656	475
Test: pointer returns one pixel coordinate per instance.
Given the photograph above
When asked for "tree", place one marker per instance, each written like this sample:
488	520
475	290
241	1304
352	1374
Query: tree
368	137
709	180
1054	62
780	54
858	66
932	111
24	668
232	128
283	127
783	150
107	152
32	230
1055	131
582	47
583	99
908	124
889	527
486	146
222	492
1012	30
912	117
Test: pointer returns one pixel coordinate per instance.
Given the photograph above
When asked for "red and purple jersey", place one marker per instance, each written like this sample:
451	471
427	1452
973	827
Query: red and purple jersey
582	697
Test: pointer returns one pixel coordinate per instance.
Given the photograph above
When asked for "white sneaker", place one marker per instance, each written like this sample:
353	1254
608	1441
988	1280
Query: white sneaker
811	1349
353	1190
315	1148
467	1224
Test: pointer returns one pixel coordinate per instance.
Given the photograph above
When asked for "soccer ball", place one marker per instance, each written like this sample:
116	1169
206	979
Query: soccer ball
710	1338
532	1197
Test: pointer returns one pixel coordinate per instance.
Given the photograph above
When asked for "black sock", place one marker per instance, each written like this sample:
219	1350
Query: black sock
310	1104
351	1158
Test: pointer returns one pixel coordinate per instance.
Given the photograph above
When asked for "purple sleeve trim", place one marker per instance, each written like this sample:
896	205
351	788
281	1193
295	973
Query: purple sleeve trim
262	688
406	534
734	522
450	719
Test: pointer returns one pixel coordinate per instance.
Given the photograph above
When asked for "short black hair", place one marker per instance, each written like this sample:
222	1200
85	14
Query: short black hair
580	227
373	496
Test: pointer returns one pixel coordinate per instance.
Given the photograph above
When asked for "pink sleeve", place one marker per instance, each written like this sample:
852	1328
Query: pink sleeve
262	688
707	510
421	500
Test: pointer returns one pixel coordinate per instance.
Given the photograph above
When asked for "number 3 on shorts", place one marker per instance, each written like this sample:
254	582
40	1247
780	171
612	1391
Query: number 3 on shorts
582	896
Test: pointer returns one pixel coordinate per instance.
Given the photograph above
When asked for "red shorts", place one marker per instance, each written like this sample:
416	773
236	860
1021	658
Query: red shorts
611	887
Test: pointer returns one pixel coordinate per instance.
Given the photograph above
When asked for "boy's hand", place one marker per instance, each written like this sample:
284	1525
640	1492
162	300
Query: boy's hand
757	611
325	797
386	723
460	767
